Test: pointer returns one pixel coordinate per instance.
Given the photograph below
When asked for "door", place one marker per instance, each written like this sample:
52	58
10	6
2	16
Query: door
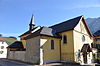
85	57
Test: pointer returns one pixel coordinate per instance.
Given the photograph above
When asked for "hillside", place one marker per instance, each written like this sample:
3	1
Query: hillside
94	24
9	40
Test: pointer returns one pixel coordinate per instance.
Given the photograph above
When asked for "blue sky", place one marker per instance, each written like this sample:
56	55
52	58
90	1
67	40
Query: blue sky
15	15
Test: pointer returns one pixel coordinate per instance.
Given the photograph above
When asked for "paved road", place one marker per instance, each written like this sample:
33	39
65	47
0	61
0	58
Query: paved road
5	62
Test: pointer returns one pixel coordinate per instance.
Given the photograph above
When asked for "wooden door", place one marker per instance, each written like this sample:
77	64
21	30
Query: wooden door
85	57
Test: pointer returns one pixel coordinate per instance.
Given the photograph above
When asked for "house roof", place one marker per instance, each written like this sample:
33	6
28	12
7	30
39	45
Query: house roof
1	39
16	44
86	48
97	33
98	46
66	25
43	31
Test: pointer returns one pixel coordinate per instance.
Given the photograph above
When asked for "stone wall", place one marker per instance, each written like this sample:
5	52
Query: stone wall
32	54
17	55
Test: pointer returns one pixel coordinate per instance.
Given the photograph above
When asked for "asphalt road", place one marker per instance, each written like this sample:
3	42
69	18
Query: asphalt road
5	62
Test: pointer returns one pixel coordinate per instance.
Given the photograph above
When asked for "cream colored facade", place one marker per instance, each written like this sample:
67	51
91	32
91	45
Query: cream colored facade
78	32
3	49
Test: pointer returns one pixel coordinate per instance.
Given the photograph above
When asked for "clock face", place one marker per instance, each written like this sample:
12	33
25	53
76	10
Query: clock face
83	38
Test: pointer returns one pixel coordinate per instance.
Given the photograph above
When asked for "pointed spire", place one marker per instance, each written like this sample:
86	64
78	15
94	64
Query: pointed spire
31	25
32	19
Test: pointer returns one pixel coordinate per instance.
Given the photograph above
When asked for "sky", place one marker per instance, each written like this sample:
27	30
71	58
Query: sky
15	15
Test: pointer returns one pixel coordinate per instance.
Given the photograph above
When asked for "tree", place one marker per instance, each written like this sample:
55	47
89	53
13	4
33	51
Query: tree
13	37
0	35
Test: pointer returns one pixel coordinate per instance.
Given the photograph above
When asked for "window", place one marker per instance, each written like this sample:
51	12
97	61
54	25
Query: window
2	47
64	39
97	39
89	54
2	42
83	38
1	52
79	54
52	44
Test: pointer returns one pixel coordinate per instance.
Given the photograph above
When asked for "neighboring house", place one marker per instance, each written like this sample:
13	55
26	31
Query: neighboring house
3	48
67	41
97	43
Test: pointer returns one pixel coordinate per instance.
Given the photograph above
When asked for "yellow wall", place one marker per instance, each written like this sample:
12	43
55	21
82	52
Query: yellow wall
48	54
97	42
23	41
67	50
34	45
78	32
12	48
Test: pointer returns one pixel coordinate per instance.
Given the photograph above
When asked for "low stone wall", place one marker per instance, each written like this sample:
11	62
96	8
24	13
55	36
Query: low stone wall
16	55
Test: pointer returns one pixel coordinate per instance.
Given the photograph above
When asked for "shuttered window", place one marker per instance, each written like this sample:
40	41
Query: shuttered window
52	44
64	39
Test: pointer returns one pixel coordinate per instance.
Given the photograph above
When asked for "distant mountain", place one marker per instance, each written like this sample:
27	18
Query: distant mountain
94	24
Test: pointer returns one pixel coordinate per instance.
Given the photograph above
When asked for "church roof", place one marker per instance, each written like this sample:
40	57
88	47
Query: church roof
66	25
43	31
58	28
27	32
97	33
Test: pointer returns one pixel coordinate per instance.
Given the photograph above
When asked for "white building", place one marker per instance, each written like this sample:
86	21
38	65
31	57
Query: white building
3	48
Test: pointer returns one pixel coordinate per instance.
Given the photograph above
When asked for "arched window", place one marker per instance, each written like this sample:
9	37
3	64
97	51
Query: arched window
64	39
52	44
83	38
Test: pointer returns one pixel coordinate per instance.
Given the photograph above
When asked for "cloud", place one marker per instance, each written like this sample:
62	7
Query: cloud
79	6
10	34
88	6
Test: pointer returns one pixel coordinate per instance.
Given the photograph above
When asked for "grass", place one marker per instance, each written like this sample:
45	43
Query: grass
9	40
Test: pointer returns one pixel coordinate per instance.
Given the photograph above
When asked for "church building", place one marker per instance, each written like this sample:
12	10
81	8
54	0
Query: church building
67	41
